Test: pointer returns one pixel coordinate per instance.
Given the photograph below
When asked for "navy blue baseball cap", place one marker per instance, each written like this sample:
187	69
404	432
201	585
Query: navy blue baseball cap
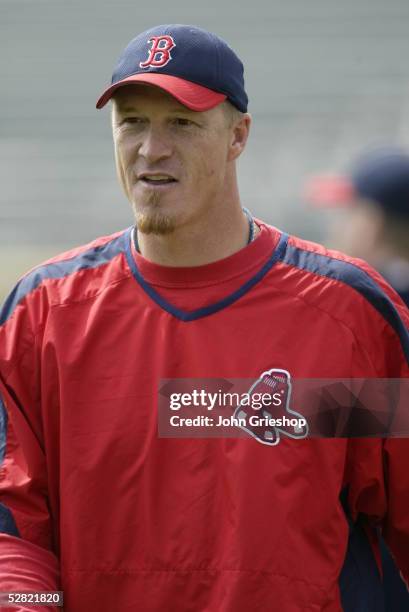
380	175
383	176
195	66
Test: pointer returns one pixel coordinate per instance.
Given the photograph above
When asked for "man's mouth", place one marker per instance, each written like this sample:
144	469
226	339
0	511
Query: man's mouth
157	179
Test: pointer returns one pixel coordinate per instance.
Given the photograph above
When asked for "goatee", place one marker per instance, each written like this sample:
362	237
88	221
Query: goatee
151	220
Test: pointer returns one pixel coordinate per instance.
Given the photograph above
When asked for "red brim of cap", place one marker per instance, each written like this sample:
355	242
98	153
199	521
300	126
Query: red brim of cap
329	191
196	97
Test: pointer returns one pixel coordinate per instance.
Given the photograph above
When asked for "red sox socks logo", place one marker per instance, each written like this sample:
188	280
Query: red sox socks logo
268	423
159	53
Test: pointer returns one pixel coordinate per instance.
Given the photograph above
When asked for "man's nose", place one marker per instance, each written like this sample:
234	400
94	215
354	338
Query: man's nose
156	144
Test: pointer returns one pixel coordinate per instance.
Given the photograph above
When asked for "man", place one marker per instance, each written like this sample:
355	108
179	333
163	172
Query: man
92	498
375	195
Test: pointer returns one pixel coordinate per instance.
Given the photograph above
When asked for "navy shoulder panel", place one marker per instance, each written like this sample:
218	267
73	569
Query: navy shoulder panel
90	258
352	275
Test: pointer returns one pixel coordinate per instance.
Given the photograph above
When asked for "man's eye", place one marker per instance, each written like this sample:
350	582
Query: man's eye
183	121
132	120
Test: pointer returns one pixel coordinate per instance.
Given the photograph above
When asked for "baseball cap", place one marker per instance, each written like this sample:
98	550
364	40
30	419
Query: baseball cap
195	66
380	175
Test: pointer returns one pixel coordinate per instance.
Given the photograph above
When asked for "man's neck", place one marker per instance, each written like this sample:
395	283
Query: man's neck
200	244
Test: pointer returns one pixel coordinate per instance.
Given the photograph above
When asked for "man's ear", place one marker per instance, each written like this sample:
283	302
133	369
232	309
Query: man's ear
239	135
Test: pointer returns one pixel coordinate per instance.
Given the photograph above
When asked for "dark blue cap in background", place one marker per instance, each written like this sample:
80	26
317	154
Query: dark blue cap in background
379	175
382	176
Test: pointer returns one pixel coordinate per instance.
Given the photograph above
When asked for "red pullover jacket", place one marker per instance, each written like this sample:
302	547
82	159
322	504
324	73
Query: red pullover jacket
94	503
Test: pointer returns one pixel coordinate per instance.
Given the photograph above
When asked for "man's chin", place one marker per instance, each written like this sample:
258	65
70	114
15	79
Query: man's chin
150	217
154	223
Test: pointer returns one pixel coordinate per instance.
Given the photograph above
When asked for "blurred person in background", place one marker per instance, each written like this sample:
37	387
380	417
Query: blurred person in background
375	193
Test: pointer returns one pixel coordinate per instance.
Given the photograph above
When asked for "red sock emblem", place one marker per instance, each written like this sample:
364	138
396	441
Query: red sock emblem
159	53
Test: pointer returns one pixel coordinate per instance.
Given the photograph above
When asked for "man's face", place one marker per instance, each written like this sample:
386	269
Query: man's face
173	163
